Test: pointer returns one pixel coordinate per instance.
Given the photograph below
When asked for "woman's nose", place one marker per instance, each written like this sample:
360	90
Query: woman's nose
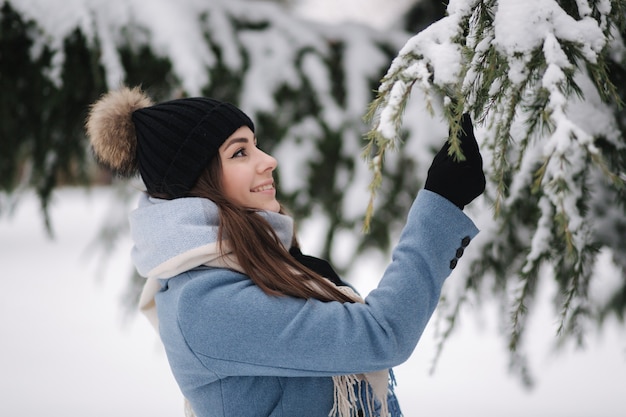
268	162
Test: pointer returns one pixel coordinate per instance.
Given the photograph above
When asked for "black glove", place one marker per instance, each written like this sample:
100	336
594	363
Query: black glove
458	181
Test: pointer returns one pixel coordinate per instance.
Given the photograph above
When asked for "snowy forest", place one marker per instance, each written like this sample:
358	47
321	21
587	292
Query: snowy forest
354	114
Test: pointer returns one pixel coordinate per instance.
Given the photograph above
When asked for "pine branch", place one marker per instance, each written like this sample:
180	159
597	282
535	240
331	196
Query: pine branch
537	149
385	134
412	67
520	303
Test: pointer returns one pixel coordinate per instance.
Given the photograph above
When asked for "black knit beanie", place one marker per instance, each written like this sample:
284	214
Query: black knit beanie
177	139
169	144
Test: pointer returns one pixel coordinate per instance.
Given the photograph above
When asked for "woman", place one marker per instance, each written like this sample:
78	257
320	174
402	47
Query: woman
251	326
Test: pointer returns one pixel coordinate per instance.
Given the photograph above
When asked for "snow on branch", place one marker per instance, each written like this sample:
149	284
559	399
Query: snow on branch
526	71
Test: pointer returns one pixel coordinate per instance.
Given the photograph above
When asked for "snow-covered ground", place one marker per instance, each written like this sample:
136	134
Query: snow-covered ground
67	349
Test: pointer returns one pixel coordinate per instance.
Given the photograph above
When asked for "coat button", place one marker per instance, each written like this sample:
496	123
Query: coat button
459	252
453	263
465	241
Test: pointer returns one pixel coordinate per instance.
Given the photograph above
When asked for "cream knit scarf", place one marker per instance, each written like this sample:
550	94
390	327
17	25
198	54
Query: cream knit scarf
347	388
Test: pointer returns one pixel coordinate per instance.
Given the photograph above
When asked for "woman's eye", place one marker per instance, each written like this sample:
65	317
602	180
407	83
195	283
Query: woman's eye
241	152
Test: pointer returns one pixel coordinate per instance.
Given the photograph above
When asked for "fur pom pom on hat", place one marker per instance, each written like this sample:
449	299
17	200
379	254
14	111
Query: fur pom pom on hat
168	143
111	130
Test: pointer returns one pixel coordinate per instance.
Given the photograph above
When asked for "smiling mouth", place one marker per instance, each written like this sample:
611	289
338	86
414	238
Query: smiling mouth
263	188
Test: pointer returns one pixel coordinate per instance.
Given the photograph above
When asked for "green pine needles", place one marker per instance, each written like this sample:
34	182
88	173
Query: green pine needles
536	77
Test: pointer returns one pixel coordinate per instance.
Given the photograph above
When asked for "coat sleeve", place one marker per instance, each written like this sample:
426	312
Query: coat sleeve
235	329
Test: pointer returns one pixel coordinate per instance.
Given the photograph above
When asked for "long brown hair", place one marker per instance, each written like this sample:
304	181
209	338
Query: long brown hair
257	247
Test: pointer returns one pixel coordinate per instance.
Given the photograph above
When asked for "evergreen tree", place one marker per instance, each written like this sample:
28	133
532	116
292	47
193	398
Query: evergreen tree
545	81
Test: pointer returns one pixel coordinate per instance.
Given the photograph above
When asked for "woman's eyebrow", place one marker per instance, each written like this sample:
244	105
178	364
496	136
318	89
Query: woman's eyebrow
235	140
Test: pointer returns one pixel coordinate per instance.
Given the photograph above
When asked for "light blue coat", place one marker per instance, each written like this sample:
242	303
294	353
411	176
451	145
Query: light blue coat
237	352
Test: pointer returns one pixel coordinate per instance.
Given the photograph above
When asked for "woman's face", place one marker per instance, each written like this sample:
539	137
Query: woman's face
247	172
